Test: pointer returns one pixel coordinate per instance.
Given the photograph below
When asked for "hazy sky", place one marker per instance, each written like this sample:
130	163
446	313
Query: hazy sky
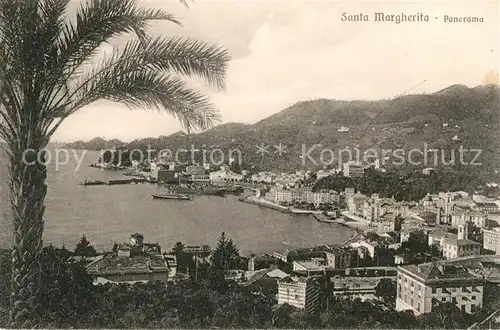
287	51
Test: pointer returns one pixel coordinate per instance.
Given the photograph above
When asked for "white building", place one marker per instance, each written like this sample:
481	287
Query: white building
422	287
491	240
303	293
460	246
353	170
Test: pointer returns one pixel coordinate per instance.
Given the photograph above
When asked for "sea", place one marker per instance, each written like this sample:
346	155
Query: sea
110	214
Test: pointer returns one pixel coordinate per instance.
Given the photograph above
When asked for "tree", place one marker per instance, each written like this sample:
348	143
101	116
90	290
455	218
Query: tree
225	254
46	77
444	316
183	260
84	249
386	290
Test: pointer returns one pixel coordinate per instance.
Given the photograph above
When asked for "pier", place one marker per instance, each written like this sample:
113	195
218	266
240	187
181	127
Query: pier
260	202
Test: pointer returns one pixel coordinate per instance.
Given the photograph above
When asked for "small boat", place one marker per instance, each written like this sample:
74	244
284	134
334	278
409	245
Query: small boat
171	196
93	183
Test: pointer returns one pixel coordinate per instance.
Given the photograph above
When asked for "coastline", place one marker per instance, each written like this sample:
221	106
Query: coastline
348	221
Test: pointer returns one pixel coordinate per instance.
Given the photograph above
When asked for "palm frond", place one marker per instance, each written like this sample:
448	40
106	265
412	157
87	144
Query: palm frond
97	21
185	56
149	90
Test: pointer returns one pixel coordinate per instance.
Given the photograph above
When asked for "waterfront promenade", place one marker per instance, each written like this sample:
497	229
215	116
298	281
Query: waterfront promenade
348	220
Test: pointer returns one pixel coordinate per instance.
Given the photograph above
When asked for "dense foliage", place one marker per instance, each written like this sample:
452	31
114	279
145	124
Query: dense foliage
84	248
402	185
71	300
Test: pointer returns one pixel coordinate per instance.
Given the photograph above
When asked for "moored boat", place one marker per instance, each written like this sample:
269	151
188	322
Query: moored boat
93	183
171	196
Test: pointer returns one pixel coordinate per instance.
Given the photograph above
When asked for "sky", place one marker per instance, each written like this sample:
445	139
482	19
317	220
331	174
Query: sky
289	51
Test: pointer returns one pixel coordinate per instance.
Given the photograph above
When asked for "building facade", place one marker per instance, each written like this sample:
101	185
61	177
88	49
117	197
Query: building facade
338	259
422	287
459	245
303	293
353	170
491	240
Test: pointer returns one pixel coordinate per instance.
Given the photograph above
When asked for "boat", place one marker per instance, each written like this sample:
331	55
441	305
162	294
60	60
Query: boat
93	183
126	181
171	196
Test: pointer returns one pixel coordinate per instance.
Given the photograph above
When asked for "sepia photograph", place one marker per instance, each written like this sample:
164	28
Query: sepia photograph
249	164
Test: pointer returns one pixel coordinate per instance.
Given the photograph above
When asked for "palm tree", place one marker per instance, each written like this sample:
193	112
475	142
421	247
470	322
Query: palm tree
50	68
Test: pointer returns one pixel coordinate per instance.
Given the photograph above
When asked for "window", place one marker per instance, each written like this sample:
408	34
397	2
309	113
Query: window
453	289
462	307
418	306
454	300
433	290
464	298
443	299
399	291
411	301
473	297
297	297
464	289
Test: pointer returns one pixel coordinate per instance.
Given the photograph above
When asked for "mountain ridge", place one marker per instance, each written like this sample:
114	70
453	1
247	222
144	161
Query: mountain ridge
472	114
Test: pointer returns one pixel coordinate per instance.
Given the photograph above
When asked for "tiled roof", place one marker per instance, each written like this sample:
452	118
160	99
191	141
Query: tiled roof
111	264
433	271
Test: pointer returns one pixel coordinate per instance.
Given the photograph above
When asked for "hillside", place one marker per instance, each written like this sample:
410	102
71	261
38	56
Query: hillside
470	114
95	144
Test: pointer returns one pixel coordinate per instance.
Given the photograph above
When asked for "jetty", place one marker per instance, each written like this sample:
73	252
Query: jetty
322	218
255	201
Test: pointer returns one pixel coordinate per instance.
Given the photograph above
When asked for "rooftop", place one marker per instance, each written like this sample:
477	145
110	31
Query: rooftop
486	204
110	264
462	242
438	271
356	281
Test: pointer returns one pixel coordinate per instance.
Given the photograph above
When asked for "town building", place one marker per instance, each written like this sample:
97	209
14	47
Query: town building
463	217
457	246
487	207
322	174
353	170
400	259
225	175
263	177
353	287
421	287
300	292
312	265
302	195
369	246
491	240
338	258
197	173
197	249
123	266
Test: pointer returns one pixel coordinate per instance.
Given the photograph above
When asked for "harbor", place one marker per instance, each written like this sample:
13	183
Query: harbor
113	182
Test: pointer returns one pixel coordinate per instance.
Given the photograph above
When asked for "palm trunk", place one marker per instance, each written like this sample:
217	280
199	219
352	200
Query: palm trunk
28	189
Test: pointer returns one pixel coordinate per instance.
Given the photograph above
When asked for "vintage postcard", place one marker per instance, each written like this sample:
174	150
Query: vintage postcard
249	164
